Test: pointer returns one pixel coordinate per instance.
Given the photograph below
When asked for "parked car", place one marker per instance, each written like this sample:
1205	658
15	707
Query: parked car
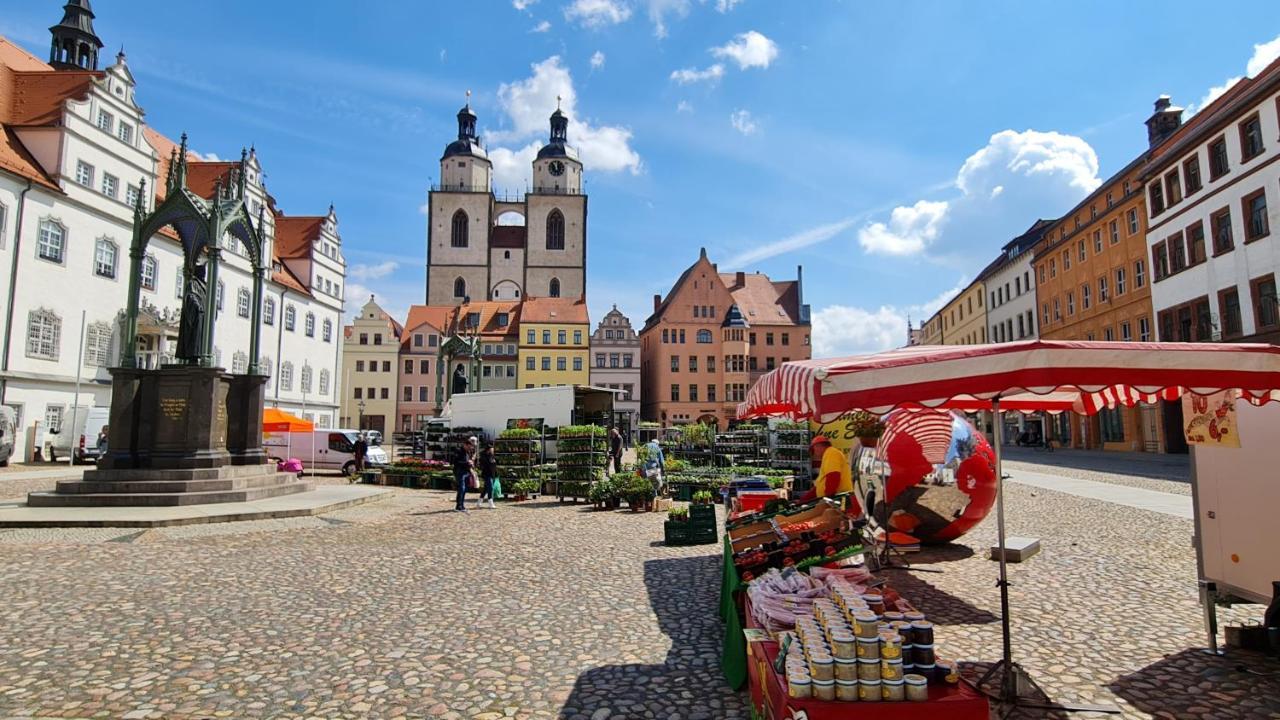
8	433
332	449
80	441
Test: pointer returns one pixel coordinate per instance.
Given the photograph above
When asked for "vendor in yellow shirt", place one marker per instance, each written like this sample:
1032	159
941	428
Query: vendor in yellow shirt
834	476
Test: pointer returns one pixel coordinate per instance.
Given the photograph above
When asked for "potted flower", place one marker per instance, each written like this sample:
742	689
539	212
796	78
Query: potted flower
603	494
524	488
678	514
638	492
866	427
702	497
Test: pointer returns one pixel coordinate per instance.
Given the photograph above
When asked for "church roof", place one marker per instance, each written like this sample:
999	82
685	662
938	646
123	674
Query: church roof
464	146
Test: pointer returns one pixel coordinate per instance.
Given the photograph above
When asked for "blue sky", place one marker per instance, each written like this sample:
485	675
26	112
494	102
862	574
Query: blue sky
889	148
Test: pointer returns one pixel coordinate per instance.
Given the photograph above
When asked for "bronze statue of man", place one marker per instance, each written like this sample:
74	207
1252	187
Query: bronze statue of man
459	381
191	327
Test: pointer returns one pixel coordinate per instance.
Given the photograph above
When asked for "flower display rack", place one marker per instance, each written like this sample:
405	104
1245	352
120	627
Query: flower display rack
519	454
582	456
746	445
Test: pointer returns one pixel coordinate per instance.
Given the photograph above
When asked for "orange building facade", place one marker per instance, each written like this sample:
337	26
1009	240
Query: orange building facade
1094	283
712	337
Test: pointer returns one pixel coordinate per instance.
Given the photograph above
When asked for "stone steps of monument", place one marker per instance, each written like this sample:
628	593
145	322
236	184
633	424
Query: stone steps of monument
172	486
160	499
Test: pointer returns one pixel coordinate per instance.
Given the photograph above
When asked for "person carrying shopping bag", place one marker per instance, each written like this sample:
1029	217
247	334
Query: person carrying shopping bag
488	476
463	473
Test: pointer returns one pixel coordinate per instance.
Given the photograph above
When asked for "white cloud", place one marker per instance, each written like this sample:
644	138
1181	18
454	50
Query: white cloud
522	4
724	6
1003	188
207	157
659	9
693	75
597	13
425	208
743	122
528	103
909	230
365	273
684	107
541	27
1263	55
749	49
840	330
597	60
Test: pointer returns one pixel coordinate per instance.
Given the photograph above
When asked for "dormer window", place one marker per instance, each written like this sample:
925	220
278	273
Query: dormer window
106	121
125	133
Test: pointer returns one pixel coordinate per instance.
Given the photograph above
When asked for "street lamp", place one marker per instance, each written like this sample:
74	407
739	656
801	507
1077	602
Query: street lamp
360	422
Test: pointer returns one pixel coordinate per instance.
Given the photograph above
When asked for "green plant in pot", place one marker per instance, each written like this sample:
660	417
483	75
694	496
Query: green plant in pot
638	492
602	493
679	514
702	497
524	488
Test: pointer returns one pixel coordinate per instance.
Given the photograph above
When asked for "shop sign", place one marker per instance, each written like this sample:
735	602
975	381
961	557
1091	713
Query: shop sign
1211	419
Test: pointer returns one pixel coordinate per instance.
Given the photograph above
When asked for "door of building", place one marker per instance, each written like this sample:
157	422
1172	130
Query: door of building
1150	430
1175	439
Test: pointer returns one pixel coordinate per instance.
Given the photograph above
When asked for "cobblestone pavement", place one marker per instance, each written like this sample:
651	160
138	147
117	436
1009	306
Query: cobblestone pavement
538	610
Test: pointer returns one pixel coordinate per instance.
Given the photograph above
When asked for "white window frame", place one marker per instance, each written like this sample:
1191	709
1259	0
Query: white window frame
305	379
4	221
51	412
110	185
309	325
105	267
124	131
269	311
177	285
290	317
131	193
84	173
286	376
46	246
328	330
324	382
97	344
244	302
43	343
147	273
106	121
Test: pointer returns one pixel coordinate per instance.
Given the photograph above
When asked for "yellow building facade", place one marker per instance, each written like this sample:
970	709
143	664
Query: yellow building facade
555	336
964	319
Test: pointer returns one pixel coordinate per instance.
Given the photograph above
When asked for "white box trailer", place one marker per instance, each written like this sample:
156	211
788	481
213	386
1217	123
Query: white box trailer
555	406
1236	494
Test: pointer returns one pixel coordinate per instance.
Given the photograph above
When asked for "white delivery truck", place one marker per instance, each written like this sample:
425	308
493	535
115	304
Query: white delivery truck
81	439
322	449
554	406
1235	495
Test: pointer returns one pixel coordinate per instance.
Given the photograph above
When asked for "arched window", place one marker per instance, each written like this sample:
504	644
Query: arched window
459	236
44	334
104	258
52	244
97	344
555	287
459	288
704	336
149	277
310	325
555	231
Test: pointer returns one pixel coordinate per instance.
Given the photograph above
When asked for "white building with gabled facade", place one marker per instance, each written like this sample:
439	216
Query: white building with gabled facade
75	153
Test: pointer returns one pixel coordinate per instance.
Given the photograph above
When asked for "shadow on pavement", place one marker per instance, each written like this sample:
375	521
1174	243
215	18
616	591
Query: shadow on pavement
1191	684
940	606
683	593
1032	693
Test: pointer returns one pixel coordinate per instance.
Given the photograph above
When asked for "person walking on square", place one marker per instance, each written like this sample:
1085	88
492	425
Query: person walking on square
488	473
360	450
615	449
463	467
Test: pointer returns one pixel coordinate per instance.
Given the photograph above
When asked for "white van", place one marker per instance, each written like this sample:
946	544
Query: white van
332	449
8	433
81	440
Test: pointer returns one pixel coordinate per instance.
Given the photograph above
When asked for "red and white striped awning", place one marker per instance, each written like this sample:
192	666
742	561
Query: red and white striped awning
1036	375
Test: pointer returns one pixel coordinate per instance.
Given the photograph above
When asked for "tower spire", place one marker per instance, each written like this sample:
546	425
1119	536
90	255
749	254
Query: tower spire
74	44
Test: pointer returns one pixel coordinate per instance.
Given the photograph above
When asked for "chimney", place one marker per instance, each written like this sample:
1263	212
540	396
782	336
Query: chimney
1164	122
657	302
739	279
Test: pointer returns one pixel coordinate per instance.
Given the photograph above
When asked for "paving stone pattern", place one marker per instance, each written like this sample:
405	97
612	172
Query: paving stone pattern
538	610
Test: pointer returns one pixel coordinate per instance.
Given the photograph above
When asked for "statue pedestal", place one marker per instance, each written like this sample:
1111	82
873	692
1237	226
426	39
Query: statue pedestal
181	417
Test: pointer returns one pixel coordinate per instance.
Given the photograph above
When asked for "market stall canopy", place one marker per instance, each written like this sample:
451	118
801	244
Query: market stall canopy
274	420
1035	375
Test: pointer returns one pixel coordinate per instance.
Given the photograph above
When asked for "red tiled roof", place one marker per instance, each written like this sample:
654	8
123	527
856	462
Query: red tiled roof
295	235
204	176
164	149
763	301
285	277
437	317
554	310
508	236
488	317
21	103
38	96
17	58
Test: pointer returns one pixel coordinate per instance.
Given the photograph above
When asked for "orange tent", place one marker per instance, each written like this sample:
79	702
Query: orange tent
274	420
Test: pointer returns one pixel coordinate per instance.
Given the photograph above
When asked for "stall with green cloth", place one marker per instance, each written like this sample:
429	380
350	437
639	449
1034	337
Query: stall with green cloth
733	658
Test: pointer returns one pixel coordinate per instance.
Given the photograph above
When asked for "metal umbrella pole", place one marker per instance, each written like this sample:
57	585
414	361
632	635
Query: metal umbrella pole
1008	692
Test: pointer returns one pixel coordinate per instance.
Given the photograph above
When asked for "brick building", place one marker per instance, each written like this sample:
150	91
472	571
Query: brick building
712	337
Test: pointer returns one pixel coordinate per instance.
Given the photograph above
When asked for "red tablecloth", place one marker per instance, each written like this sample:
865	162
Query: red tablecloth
769	695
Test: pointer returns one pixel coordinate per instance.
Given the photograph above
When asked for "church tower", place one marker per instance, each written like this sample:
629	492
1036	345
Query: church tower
75	46
459	213
556	219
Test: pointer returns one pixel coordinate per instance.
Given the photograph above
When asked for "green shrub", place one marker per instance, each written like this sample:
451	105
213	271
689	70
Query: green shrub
680	512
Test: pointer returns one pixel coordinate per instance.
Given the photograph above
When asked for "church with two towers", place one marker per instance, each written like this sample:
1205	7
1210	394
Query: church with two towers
474	250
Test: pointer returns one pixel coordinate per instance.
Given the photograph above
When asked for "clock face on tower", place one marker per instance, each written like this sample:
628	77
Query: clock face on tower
556	168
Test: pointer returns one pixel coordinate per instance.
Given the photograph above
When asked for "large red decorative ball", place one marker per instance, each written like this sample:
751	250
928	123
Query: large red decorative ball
934	470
